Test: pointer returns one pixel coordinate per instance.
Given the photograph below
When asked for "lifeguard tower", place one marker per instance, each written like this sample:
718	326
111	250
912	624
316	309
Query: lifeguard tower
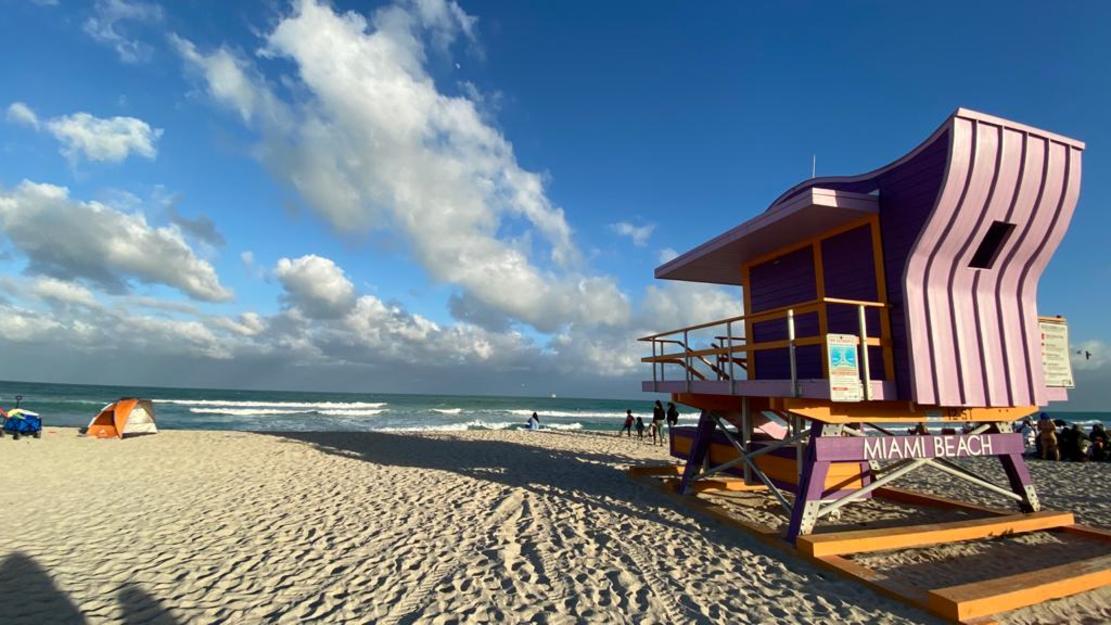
906	295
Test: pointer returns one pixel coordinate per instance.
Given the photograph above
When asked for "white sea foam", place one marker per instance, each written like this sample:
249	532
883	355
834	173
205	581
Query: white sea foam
561	426
259	412
591	414
352	413
447	410
248	412
290	405
456	427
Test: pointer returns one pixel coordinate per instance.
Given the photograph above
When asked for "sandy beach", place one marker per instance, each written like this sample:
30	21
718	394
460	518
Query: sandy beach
470	527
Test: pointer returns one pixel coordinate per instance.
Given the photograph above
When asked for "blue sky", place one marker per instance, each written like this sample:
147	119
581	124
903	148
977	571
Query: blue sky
573	117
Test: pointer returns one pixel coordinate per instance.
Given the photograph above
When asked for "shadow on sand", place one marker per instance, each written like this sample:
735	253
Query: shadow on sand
141	608
28	594
545	473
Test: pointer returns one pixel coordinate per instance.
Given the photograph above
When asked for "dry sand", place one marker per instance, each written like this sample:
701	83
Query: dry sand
475	527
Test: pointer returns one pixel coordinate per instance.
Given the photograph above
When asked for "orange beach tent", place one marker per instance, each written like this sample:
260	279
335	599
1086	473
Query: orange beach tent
126	416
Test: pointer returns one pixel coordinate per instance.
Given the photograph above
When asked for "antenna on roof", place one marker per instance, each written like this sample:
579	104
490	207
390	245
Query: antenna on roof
813	165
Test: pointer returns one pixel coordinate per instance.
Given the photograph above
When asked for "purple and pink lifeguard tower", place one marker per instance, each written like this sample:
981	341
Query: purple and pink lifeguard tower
906	295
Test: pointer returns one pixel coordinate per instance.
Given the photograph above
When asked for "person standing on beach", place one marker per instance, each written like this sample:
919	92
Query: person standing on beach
1047	435
640	428
658	423
672	415
628	427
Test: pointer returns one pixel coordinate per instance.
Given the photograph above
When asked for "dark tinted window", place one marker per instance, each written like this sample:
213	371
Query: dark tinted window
991	244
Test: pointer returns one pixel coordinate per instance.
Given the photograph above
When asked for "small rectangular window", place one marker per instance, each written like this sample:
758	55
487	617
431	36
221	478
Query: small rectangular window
991	245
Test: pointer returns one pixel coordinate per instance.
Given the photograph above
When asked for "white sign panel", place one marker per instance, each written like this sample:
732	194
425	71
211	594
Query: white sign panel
844	367
1055	353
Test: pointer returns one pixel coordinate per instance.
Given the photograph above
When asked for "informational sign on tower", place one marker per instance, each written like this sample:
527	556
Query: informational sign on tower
843	367
1055	352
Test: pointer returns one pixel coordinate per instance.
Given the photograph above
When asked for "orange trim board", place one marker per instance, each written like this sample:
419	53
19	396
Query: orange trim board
969	601
908	536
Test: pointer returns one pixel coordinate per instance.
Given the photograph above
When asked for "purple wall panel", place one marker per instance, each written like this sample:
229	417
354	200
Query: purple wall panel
786	280
850	273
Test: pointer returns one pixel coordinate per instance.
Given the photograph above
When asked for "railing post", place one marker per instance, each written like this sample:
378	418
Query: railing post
864	365
663	365
791	351
655	384
687	357
729	355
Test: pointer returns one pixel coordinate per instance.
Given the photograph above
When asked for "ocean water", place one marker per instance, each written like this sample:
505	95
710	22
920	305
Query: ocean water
222	409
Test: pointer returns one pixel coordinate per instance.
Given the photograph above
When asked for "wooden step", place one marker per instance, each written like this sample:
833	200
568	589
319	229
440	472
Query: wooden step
907	536
663	469
736	486
969	601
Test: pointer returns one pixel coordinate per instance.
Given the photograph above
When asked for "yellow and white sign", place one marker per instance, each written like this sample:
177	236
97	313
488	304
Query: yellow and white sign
1055	352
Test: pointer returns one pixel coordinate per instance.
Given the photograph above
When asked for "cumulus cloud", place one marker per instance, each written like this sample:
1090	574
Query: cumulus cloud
70	239
639	235
93	138
374	142
108	25
667	255
317	286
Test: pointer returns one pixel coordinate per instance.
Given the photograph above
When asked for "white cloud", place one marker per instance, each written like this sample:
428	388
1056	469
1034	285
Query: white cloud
62	291
247	324
615	352
20	113
375	143
106	26
70	239
19	325
638	234
316	286
82	135
99	139
667	255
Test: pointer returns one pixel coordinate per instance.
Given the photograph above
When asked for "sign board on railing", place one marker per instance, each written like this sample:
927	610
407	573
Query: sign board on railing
1055	352
843	367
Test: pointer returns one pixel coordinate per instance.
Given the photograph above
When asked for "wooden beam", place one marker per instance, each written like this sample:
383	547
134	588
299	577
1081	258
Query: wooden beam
969	601
663	469
908	536
730	485
897	412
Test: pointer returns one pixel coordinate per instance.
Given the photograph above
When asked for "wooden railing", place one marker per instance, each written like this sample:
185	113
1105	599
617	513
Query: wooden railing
724	351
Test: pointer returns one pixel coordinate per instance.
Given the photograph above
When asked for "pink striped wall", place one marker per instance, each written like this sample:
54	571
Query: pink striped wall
972	334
